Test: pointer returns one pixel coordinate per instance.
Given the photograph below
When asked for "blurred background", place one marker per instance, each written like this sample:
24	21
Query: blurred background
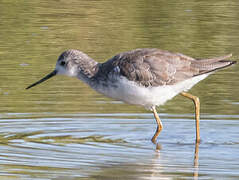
63	129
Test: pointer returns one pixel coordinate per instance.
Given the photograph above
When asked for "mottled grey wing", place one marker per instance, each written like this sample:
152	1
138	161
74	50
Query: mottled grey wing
154	67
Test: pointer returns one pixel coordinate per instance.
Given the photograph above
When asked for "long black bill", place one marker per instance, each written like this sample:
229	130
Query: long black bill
53	73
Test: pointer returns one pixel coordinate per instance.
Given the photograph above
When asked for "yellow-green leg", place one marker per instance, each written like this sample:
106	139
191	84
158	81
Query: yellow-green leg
195	174
196	102
159	127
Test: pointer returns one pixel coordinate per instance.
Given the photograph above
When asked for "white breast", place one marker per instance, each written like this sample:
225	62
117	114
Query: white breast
132	93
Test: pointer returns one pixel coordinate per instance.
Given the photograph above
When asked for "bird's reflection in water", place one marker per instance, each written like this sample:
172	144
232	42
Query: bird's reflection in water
196	165
195	161
158	146
150	167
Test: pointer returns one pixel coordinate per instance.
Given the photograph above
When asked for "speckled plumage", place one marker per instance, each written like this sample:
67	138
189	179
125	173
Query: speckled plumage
146	77
155	67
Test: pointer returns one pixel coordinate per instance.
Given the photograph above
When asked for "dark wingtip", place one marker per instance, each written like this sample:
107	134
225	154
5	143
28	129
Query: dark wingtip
229	63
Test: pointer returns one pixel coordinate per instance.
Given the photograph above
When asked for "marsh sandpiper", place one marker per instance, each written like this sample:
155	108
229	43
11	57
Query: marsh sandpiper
146	77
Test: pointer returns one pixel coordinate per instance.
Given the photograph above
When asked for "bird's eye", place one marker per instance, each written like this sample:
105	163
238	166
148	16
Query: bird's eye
63	63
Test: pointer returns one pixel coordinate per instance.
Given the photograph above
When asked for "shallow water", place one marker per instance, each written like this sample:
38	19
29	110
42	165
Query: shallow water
116	146
63	130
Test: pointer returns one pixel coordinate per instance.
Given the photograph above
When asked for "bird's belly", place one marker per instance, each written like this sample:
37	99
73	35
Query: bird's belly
132	93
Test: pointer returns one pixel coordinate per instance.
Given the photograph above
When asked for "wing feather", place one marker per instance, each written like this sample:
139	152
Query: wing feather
155	67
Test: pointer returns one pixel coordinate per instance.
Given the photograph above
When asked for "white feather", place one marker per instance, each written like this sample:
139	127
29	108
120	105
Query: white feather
131	93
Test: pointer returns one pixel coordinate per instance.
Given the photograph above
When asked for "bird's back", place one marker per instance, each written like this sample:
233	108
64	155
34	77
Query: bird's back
155	67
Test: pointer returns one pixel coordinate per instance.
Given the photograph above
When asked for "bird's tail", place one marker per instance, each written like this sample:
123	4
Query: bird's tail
210	65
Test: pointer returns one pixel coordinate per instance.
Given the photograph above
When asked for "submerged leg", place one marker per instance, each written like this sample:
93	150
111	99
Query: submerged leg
196	165
159	127
196	101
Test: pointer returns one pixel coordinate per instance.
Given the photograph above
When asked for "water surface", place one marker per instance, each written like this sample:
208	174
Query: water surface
64	130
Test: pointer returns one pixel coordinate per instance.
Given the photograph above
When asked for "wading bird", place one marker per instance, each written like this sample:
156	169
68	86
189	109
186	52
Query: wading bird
145	77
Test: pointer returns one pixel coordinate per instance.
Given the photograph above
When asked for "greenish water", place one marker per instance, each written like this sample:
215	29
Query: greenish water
64	130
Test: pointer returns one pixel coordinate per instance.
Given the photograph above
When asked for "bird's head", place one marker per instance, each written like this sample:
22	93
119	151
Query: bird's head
70	63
